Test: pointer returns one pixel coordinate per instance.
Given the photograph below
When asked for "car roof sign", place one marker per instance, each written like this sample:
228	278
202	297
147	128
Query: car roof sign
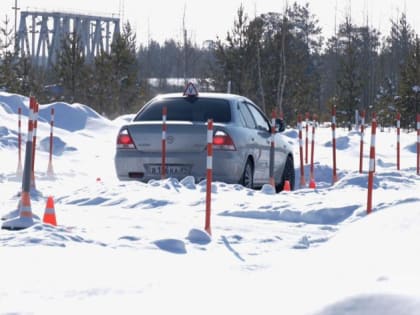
190	90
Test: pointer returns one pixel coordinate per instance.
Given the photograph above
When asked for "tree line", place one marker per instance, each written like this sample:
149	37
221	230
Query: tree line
278	59
110	84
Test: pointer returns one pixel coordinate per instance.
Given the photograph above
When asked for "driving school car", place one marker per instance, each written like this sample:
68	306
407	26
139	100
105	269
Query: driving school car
241	141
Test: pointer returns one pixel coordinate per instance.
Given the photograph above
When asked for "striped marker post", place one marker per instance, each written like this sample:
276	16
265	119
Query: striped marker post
163	167
50	170
356	118
306	138
418	144
398	140
312	176
35	127
25	218
209	174
302	166
362	135
31	138
334	144
371	164
272	148
19	167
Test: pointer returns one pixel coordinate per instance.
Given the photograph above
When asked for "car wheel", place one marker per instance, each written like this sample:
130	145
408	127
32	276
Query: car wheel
288	174
247	179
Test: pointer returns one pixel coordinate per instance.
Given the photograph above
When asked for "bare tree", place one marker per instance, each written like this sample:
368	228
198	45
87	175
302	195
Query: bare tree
185	46
256	33
260	80
281	83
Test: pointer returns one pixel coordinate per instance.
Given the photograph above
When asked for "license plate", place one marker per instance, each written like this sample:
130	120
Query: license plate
171	170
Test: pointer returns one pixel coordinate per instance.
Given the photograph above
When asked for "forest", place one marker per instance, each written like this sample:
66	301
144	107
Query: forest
280	60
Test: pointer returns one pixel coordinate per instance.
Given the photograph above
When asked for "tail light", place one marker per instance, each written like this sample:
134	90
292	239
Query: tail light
222	141
124	140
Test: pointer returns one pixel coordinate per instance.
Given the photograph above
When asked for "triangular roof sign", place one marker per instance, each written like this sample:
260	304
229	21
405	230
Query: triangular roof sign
190	90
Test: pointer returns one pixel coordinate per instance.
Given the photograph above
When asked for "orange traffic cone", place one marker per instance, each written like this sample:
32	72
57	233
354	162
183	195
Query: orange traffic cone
286	186
312	183
49	214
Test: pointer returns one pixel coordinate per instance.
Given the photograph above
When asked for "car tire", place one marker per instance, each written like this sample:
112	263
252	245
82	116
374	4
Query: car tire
288	174
247	179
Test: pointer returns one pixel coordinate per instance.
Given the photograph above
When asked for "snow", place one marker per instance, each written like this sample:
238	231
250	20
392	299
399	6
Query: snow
416	88
132	248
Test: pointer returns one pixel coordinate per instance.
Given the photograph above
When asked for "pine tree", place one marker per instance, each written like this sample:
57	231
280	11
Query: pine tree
272	59
303	48
399	43
101	90
409	87
71	69
125	72
369	44
28	82
233	57
9	79
273	54
385	103
349	73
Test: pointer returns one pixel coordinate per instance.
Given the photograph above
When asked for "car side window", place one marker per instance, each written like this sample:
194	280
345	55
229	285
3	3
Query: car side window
246	115
261	121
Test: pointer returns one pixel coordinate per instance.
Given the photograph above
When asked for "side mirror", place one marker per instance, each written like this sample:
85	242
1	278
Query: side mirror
280	126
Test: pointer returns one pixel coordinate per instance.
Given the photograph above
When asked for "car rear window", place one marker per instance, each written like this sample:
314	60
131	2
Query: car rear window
187	109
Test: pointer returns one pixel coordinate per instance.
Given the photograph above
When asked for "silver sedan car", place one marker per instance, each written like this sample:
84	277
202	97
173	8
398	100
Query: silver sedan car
241	141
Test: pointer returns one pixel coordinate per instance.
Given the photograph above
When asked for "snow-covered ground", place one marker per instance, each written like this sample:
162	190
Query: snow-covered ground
136	248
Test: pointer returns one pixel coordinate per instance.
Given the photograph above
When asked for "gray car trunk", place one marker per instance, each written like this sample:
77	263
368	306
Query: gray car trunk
181	136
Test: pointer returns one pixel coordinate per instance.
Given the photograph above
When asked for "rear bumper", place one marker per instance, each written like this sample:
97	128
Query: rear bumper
133	165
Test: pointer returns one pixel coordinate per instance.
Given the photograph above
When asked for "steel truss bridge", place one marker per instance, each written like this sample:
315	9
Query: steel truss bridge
42	40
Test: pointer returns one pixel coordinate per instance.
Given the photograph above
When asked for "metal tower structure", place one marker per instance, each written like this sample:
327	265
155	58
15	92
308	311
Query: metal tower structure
42	41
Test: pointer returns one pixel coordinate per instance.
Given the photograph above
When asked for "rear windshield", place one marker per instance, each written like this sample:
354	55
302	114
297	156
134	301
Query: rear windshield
187	109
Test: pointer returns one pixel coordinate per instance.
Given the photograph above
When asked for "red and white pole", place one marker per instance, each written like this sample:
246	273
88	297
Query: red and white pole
334	146
272	148
398	140
302	167
362	135
163	167
50	170
27	168
418	144
31	117
25	218
371	164
306	138
312	176
209	174
25	210
35	122
19	167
